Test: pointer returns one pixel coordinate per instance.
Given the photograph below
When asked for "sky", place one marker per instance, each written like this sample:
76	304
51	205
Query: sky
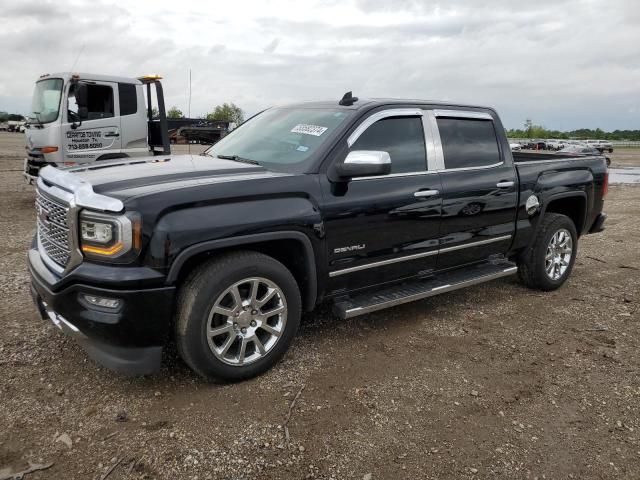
564	64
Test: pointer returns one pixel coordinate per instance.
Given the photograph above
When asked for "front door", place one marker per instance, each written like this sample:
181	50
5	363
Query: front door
479	191
99	134
381	229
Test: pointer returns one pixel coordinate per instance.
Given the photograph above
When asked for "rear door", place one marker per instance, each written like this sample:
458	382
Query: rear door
97	135
479	188
381	229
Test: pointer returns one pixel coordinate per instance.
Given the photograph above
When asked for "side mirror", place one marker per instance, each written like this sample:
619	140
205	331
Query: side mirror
82	92
364	163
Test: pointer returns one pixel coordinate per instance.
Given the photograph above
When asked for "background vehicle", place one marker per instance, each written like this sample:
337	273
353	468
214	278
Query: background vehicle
583	150
365	204
601	145
535	145
555	144
83	118
15	126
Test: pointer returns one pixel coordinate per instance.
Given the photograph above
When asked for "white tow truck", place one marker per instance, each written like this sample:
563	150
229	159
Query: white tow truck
82	118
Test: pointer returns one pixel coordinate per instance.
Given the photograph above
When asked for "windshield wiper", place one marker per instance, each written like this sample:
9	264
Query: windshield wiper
236	158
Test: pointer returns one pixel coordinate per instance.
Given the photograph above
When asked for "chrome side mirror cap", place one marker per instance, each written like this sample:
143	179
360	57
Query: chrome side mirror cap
364	163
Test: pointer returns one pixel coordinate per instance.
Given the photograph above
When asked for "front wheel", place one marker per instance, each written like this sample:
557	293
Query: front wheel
547	262
237	315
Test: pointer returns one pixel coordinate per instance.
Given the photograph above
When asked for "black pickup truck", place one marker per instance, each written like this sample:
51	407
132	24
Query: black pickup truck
366	204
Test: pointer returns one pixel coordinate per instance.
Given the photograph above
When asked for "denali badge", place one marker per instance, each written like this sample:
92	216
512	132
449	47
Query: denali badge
349	249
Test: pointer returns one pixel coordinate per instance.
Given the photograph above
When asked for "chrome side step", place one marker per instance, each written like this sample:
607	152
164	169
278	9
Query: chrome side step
417	290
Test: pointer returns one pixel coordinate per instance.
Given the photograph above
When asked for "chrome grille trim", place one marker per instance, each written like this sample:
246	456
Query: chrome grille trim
53	231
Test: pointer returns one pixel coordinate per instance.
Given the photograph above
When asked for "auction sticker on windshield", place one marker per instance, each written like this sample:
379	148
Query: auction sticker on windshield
314	130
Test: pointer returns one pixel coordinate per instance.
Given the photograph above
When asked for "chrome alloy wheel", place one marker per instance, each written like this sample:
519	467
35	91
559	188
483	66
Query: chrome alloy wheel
558	255
246	321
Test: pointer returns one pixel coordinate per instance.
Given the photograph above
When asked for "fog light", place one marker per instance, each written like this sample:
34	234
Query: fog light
102	301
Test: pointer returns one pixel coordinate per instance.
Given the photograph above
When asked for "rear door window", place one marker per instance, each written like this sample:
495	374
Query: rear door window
468	142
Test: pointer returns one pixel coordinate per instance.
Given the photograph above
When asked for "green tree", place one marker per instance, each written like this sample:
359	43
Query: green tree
229	112
174	113
154	113
528	127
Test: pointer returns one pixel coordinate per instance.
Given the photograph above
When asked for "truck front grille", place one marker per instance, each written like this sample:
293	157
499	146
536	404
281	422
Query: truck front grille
53	232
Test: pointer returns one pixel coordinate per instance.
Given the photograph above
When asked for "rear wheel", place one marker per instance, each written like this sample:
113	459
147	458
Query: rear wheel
547	262
237	316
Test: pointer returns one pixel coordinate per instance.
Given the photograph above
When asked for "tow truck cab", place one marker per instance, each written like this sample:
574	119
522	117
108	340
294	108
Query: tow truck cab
82	118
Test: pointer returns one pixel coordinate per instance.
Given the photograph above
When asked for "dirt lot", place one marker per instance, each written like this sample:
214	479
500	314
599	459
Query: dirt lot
495	381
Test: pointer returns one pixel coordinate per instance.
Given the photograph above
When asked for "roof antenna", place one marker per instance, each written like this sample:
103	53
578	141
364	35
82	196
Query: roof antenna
77	58
348	99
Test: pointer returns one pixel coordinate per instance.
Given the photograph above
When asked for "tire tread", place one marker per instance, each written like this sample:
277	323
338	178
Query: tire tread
529	271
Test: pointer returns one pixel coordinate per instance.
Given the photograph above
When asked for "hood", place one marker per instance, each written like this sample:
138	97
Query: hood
132	174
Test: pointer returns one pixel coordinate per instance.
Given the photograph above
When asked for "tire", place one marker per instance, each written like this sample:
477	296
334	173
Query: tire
221	283
532	263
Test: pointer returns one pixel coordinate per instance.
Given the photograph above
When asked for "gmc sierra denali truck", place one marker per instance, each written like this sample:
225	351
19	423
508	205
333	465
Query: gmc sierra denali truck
366	204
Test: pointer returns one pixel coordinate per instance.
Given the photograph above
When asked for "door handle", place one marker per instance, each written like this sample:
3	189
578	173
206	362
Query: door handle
505	184
426	193
112	134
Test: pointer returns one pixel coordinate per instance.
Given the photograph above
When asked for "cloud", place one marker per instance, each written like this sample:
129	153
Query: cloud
565	64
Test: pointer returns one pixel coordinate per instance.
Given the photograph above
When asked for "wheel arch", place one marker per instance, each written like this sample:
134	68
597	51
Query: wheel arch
571	204
291	248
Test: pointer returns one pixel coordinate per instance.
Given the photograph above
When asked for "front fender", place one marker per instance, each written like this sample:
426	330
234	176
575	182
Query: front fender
180	229
181	234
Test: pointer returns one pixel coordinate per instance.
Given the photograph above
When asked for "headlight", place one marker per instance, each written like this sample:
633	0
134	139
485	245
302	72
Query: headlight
109	236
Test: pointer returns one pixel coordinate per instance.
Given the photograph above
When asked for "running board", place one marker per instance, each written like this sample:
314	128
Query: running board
419	289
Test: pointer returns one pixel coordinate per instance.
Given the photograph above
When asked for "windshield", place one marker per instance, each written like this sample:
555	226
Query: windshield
281	139
46	100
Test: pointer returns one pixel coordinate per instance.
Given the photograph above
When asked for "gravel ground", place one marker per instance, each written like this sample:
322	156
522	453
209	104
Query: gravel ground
494	381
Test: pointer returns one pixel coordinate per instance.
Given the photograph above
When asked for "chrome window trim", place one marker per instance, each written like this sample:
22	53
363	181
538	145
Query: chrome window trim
390	261
462	114
438	142
399	174
463	169
434	135
430	151
371	119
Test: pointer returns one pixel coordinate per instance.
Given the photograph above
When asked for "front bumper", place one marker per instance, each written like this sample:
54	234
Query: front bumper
128	339
32	166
